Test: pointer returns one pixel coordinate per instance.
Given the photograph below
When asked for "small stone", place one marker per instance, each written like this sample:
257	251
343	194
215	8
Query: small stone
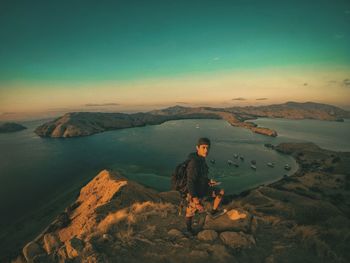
107	238
74	247
207	235
237	240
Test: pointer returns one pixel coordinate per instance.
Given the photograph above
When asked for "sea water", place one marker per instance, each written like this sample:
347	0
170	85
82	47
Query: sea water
35	171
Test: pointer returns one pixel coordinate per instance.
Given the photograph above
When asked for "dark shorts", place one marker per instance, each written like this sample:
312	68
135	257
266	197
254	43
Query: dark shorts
191	206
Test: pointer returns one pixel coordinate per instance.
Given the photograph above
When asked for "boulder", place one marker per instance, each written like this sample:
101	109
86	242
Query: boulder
237	240
233	220
175	233
31	250
207	235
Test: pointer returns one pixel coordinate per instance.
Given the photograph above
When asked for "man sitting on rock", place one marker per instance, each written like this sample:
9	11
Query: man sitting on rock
198	184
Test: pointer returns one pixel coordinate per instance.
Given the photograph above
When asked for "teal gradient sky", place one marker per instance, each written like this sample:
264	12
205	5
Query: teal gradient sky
59	45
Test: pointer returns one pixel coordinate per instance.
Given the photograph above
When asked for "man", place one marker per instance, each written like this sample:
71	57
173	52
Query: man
198	183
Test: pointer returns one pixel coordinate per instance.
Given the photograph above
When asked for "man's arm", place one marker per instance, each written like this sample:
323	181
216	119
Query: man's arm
192	174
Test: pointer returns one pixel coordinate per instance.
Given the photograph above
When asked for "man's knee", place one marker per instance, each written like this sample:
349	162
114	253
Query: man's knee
221	193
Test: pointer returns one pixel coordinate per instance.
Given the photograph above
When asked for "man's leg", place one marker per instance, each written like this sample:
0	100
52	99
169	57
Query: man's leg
217	200
190	212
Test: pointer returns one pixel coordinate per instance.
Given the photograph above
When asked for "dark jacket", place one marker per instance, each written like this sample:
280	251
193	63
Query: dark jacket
197	176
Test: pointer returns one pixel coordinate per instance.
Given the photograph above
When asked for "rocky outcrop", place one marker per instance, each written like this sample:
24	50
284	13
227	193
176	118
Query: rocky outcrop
11	127
300	217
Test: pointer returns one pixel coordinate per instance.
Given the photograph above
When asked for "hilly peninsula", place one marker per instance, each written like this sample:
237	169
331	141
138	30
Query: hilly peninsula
87	123
301	218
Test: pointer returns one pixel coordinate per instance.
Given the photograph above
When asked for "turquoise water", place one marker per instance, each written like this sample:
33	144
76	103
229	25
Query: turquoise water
34	171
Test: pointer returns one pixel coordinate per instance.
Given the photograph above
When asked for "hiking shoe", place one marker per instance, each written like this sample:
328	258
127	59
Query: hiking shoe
217	212
190	233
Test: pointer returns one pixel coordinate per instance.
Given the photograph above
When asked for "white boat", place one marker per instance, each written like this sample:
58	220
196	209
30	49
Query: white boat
271	165
253	167
287	167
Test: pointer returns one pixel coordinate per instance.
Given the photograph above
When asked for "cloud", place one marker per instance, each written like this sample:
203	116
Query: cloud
346	82
102	104
262	99
239	98
305	84
181	102
216	58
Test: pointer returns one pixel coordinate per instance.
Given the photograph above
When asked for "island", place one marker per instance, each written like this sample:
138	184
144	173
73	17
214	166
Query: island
300	218
11	127
87	123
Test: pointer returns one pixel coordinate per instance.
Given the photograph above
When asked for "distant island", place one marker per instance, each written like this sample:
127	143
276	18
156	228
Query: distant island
11	127
303	217
87	123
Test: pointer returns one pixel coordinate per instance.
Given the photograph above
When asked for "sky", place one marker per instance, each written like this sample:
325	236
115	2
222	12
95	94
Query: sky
59	56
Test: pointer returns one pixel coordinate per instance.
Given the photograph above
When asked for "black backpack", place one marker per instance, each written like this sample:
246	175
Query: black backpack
179	178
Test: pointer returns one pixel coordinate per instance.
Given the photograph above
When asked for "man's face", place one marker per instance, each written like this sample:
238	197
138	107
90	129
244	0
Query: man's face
203	150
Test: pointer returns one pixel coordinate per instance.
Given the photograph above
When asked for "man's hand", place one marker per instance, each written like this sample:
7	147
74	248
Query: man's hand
199	207
212	182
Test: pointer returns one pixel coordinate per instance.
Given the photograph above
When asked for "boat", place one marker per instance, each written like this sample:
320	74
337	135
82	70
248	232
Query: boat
287	167
235	164
253	162
197	126
241	157
271	165
229	162
253	167
235	155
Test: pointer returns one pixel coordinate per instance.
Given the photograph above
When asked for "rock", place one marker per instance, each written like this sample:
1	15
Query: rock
207	235
31	250
74	247
51	242
107	238
175	233
236	220
237	240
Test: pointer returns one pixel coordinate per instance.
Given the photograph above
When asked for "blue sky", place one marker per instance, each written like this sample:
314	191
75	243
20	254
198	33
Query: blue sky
70	46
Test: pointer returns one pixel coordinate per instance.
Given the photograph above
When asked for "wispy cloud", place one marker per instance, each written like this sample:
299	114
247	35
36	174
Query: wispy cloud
102	104
261	98
216	58
239	98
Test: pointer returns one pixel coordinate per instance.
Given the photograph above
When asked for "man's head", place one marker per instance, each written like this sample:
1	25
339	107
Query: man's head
203	146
